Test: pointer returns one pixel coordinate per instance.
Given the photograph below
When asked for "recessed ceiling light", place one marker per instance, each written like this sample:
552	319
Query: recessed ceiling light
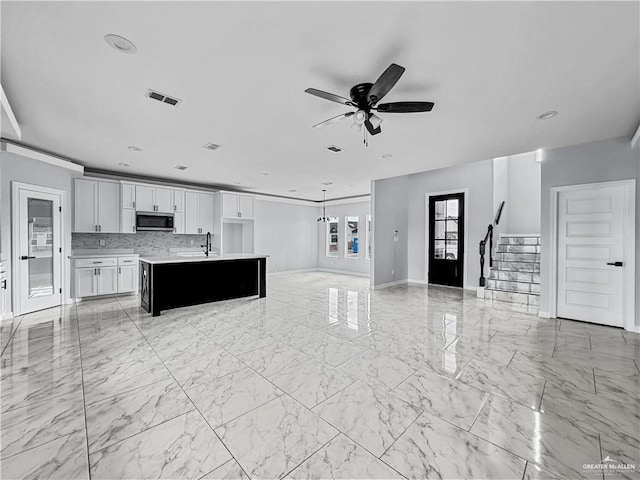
180	167
547	115
134	148
327	183
211	146
292	190
387	155
122	164
120	44
236	183
335	149
266	174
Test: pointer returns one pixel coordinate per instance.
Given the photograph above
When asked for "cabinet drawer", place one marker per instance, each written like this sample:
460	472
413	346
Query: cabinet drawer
127	261
97	262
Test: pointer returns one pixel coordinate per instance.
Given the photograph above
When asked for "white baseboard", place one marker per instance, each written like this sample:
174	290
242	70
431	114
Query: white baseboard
471	288
544	314
286	272
388	284
480	292
634	329
417	282
7	316
343	272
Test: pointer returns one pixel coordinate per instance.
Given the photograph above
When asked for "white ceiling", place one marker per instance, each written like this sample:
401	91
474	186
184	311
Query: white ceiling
241	70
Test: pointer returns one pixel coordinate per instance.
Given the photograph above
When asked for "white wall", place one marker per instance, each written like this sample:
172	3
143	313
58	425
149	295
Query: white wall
25	170
360	265
601	161
522	207
501	192
288	233
390	207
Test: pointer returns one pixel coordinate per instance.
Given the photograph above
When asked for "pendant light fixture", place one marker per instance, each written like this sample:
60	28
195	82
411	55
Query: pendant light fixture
324	217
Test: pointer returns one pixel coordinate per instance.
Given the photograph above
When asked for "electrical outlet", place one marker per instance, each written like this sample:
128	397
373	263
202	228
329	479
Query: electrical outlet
103	243
392	272
191	242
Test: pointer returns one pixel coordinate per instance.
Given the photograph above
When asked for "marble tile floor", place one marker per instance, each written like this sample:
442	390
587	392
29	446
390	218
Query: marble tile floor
322	379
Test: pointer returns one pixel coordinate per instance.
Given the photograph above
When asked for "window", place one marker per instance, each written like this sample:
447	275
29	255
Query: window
368	237
332	237
351	237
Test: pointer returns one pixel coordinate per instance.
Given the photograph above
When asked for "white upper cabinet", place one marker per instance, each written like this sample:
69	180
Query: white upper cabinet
237	206
178	200
154	199
164	200
128	195
144	199
96	206
198	214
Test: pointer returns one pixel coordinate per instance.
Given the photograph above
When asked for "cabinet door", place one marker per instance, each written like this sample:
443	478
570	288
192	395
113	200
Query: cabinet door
206	212
108	207
128	195
127	221
178	222
107	280
178	200
84	282
191	212
144	198
127	279
164	200
245	206
229	205
85	206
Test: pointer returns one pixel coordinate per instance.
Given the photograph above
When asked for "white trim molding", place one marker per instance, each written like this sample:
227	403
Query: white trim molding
8	111
635	141
43	157
544	314
343	272
388	284
629	281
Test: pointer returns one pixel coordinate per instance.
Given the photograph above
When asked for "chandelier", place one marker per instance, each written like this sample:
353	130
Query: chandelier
324	217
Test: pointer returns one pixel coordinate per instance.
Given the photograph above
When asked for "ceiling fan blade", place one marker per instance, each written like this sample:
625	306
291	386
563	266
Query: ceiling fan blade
405	107
329	96
335	119
370	129
385	83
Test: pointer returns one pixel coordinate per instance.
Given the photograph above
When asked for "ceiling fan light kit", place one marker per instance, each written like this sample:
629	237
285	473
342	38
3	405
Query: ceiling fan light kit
365	98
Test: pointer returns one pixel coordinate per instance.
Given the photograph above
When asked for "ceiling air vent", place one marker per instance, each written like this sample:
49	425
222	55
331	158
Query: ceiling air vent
161	97
180	167
211	146
335	149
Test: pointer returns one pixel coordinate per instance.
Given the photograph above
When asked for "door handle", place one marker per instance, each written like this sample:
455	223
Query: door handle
615	264
25	257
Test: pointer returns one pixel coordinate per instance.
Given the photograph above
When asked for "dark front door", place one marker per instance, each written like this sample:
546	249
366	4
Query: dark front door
446	239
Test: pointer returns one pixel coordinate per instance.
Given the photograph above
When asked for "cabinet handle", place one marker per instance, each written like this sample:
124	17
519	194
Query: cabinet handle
99	228
133	228
95	228
174	229
134	204
95	271
96	263
175	208
119	270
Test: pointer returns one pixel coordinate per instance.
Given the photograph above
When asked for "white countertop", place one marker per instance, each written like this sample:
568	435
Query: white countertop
212	258
103	252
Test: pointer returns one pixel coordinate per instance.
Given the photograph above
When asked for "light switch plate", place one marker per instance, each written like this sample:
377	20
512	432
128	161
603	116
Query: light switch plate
103	243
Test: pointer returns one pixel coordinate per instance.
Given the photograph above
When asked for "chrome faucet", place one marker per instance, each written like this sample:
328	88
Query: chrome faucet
207	247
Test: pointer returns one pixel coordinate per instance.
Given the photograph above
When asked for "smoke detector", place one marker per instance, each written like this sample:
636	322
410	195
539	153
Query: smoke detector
161	97
211	146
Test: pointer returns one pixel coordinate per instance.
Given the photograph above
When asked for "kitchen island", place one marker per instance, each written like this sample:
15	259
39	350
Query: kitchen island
175	281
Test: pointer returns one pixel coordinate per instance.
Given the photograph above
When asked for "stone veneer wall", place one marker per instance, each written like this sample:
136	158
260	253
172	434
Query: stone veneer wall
144	243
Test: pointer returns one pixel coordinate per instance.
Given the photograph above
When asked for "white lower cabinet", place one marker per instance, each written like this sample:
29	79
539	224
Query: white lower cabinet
93	276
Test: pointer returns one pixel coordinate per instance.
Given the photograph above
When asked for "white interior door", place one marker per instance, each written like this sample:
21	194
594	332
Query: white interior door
591	226
39	274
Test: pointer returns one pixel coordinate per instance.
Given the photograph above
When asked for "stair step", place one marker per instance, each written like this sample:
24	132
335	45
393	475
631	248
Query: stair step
514	276
513	297
516	266
518	240
509	286
517	257
507	248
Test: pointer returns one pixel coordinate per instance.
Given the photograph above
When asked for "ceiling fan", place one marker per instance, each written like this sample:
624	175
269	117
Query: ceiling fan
365	98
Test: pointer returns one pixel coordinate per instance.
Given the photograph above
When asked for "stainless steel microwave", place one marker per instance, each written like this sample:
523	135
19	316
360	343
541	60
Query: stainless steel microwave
154	221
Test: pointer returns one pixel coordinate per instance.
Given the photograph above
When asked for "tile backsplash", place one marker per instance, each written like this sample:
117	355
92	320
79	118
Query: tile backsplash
144	243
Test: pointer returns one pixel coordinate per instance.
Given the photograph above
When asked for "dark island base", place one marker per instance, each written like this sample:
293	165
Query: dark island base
172	285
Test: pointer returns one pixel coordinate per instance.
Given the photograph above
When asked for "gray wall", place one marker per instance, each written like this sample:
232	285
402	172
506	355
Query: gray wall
601	161
25	170
357	266
390	205
286	232
522	208
144	243
478	178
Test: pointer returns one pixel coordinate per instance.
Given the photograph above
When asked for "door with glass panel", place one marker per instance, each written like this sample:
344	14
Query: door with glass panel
38	250
446	239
